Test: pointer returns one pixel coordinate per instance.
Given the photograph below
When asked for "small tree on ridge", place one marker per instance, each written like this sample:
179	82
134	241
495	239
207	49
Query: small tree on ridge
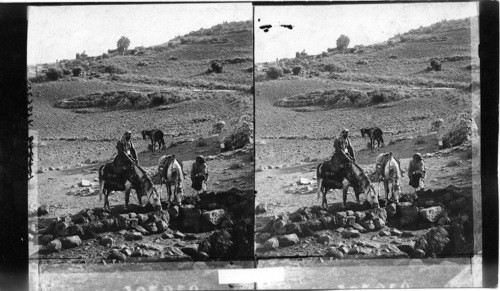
123	44
343	42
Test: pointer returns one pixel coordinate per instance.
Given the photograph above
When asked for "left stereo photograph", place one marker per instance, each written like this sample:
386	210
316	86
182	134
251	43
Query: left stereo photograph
143	140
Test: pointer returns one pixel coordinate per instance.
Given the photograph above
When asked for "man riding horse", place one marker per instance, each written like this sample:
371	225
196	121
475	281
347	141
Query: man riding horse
126	153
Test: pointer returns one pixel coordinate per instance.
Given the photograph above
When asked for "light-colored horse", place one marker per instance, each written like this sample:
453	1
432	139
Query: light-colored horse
135	179
389	170
354	178
172	175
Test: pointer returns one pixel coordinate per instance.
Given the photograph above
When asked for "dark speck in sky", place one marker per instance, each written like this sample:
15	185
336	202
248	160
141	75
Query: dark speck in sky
289	26
266	27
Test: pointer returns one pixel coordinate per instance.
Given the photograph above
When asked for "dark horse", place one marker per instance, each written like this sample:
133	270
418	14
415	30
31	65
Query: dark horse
375	135
156	136
351	176
133	178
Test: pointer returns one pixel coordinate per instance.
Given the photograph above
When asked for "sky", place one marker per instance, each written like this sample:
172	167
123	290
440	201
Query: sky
316	28
59	32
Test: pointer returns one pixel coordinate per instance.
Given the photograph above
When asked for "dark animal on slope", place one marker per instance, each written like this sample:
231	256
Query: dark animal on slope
156	136
351	177
133	178
375	135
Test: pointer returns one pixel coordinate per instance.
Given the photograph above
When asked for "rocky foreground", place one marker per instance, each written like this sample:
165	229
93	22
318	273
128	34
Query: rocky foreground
438	223
208	226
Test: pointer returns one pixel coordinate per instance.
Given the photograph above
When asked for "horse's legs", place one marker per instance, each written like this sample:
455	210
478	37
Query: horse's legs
386	189
106	201
345	188
127	194
320	181
324	203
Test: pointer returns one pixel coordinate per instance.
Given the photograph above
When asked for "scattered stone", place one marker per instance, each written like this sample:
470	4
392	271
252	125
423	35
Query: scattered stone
359	216
325	240
376	212
127	251
214	217
107	242
264	236
418	254
332	252
407	247
271	244
161	225
137	253
340	230
384	233
142	230
391	210
54	246
351	220
341	215
379	223
409	212
407	234
167	235
279	226
354	251
304	181
350	233
261	208
359	228
151	227
396	232
178	234
368	225
344	249
431	214
288	239
134	235
116	255
45	239
142	218
349	213
62	229
85	183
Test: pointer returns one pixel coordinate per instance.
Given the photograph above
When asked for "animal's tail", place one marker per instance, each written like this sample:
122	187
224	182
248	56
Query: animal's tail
319	180
101	181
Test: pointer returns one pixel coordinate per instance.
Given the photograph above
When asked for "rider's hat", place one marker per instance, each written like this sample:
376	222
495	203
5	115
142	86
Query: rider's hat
200	159
345	130
417	156
128	132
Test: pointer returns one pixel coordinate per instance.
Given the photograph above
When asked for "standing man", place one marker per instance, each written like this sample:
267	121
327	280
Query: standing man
416	172
199	174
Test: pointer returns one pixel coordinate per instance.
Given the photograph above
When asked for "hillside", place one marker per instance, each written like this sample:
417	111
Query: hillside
172	87
401	86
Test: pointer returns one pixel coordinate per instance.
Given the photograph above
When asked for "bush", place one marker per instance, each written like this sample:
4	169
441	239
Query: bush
274	72
111	69
66	72
378	97
296	70
393	57
54	73
286	70
157	99
105	56
216	67
362	62
342	42
324	54
333	68
77	71
435	65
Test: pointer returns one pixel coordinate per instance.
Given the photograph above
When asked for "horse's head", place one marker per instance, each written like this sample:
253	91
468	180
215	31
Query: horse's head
153	198
366	187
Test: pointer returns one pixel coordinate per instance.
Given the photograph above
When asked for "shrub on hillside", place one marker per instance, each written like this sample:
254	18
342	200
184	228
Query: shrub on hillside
111	69
357	96
435	65
393	57
105	56
332	68
66	72
77	71
286	70
216	67
362	62
54	73
324	54
296	70
274	72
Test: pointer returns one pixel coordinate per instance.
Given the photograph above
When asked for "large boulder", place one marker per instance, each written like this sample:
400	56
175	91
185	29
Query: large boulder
238	133
71	242
288	239
459	128
214	217
54	246
271	244
431	214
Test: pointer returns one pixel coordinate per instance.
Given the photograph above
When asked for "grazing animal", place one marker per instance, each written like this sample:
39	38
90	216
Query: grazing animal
352	176
156	136
375	135
172	174
389	169
133	178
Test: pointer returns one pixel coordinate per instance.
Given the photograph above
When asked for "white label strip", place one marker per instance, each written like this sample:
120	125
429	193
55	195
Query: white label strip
233	276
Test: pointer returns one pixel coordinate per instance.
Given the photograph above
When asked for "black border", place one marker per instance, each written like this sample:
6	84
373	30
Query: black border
14	133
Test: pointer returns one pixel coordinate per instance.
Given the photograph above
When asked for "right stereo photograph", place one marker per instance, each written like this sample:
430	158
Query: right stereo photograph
367	129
